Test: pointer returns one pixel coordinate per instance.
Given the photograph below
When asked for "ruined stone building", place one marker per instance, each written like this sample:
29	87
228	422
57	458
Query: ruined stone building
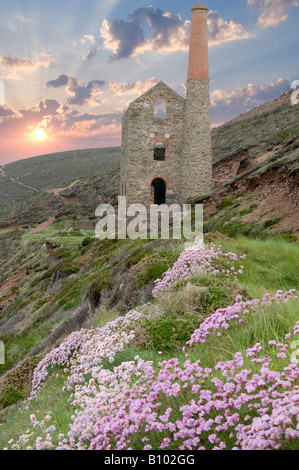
166	139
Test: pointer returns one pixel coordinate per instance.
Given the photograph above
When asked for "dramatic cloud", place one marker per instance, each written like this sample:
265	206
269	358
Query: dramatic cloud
222	31
124	39
168	33
128	38
60	125
227	105
137	88
273	11
36	113
78	94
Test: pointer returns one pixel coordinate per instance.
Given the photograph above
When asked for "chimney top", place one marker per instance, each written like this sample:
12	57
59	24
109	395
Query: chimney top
199	6
198	67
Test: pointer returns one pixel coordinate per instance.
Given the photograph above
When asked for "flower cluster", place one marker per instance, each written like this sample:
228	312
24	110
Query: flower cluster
208	259
79	341
235	314
248	402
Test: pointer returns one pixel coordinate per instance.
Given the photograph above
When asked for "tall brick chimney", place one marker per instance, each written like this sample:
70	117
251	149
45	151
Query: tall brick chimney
197	148
198	51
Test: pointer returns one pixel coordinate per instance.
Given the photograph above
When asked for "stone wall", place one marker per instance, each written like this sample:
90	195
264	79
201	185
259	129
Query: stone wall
187	169
197	147
141	131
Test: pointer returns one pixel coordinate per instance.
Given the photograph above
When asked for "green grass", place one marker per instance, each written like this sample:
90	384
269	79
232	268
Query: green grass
52	398
271	323
270	265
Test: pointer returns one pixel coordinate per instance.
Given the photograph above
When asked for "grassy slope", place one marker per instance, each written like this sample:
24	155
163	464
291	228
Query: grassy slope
60	169
54	171
269	266
267	129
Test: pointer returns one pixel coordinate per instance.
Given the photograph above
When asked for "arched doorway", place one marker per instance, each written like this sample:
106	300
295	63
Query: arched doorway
159	191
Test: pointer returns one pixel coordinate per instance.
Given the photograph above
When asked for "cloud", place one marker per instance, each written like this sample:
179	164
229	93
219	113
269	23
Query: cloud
60	81
11	65
227	105
23	63
60	124
90	41
168	33
90	54
124	39
20	22
78	94
128	38
273	12
6	111
222	31
45	108
137	88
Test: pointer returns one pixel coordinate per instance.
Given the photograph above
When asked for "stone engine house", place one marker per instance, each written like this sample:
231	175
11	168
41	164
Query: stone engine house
166	139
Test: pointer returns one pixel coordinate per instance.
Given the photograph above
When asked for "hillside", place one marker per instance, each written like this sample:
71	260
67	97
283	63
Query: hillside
255	173
24	185
170	374
56	278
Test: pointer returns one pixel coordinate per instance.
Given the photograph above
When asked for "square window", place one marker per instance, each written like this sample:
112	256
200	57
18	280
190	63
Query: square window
159	154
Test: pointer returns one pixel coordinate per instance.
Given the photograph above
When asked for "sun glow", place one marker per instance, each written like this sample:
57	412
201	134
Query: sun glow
39	132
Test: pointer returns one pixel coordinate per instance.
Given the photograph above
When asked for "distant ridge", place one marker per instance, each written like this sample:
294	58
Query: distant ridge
264	108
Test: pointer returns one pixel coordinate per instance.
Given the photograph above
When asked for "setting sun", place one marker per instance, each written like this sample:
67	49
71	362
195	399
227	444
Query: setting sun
39	134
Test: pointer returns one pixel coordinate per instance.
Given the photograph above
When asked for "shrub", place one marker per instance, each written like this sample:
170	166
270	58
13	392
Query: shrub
225	203
153	272
271	222
249	210
11	396
287	237
41	303
170	332
87	241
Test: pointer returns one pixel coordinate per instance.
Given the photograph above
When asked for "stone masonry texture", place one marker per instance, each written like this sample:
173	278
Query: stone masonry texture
184	132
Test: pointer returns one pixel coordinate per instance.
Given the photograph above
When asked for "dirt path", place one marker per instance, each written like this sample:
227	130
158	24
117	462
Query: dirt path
16	180
43	225
46	223
57	191
10	227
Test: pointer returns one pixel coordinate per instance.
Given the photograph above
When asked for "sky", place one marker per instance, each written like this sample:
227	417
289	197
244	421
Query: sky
70	68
